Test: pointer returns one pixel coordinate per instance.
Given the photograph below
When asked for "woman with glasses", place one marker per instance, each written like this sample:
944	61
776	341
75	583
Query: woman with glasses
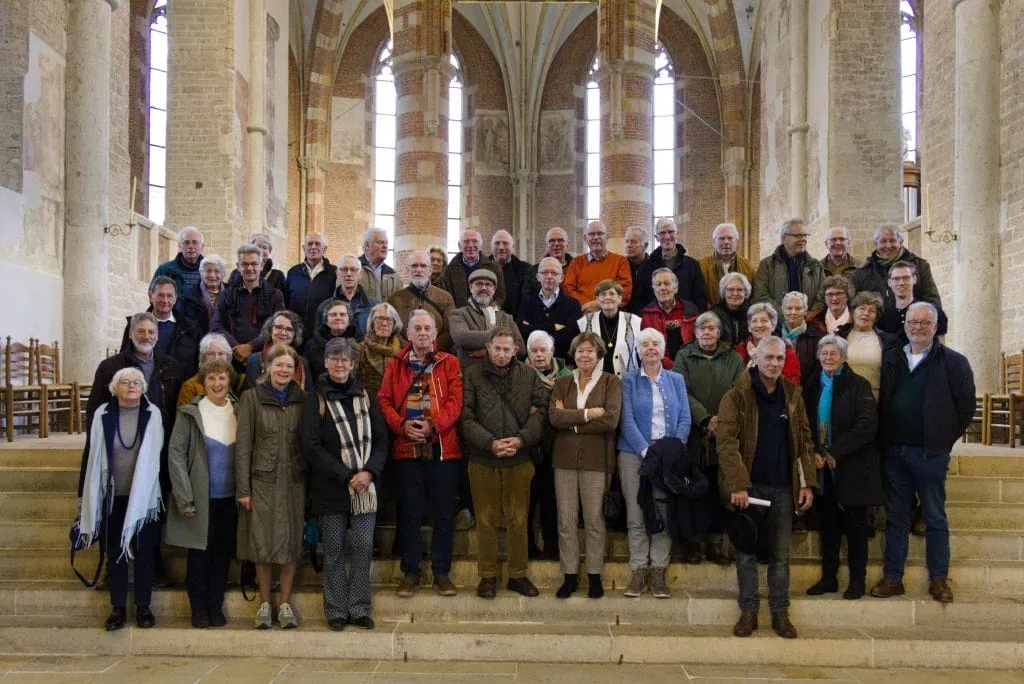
734	290
838	293
382	343
284	327
337	324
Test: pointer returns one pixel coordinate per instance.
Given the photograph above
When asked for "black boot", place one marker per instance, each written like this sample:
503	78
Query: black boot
569	586
595	589
826	585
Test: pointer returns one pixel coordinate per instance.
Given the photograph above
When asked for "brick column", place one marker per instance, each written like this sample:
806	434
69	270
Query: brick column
422	32
87	176
626	37
976	267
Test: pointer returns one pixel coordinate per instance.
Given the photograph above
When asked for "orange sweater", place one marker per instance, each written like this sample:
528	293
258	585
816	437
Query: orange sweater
583	275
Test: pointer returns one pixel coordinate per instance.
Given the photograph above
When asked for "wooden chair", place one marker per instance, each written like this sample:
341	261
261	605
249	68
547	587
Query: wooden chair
22	404
1006	410
59	399
977	431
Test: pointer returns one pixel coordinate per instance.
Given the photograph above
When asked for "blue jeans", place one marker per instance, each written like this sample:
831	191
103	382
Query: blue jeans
908	470
780	524
419	482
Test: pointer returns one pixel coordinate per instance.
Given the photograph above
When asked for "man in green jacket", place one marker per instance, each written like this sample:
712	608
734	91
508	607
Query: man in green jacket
790	268
873	274
504	411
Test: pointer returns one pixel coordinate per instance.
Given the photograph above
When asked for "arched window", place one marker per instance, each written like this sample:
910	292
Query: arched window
385	119
664	135
910	53
454	158
592	113
157	157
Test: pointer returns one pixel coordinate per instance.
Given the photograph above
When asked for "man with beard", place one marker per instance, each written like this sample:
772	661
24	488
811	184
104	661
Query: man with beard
420	294
723	260
471	325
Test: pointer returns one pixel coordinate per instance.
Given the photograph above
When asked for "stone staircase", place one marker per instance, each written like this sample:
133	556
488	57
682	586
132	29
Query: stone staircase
43	610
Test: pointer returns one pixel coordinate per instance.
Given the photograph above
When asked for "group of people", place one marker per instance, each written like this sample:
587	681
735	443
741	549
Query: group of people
245	407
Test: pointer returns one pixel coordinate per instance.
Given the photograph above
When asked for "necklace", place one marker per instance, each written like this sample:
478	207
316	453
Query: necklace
608	330
128	447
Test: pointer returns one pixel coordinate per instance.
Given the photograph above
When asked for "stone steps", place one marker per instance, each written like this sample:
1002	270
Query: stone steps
62	479
45	457
870	647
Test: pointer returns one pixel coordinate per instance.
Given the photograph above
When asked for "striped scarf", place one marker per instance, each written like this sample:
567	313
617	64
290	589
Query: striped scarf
355	449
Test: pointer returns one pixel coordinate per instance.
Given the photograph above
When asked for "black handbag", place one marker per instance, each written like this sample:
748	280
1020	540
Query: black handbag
77	544
613	503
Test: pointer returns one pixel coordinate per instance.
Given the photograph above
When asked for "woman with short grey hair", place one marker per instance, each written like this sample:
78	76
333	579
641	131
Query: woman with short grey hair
800	332
734	291
762	320
381	343
213	347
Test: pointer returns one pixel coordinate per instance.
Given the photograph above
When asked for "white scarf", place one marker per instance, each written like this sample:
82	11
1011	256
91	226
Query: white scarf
144	500
355	449
832	323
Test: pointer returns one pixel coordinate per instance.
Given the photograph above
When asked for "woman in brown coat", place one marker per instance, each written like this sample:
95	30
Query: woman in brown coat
271	480
584	411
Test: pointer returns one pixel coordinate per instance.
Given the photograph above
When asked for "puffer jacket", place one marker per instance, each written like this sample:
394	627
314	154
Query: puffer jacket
772	281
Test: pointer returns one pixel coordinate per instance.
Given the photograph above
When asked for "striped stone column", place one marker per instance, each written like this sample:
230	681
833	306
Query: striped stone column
422	67
626	37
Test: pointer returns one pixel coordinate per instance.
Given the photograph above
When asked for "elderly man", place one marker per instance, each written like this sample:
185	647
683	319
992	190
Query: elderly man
838	260
724	259
310	282
672	255
765	451
471	325
555	243
926	402
421	399
351	292
454	277
421	295
637	242
550	309
184	268
899	297
587	270
514	270
245	306
504	414
177	337
790	268
377	278
873	273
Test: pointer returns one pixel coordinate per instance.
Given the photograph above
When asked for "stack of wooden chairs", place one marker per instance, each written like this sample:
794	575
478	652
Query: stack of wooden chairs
999	418
36	399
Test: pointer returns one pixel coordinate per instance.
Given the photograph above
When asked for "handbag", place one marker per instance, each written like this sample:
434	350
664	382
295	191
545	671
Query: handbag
613	503
75	537
311	540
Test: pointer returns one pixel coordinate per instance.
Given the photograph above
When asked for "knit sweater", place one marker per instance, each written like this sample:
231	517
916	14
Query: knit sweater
583	275
219	426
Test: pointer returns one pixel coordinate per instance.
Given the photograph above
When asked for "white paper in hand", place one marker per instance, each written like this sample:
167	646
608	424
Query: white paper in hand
754	501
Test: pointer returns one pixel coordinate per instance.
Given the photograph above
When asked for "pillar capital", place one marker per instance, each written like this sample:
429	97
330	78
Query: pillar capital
114	4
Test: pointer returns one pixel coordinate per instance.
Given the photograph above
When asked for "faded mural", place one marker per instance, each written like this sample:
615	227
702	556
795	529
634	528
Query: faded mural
276	210
557	136
492	143
347	130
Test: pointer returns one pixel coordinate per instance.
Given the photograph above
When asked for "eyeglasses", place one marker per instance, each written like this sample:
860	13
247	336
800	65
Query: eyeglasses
283	328
338	359
349	269
130	383
838	239
834	295
735	290
386	320
337	314
919	324
900	279
798	236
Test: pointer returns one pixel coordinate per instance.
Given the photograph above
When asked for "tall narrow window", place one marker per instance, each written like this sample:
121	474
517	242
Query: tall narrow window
592	113
909	60
157	158
385	119
454	158
664	135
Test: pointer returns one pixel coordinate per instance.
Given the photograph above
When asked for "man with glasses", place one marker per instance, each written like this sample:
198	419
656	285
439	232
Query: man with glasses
556	244
899	297
351	292
310	282
926	402
550	309
838	259
873	274
724	259
790	269
671	255
184	268
587	270
421	295
471	325
246	306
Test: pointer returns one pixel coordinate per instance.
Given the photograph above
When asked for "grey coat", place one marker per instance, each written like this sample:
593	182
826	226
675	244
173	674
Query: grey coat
469	332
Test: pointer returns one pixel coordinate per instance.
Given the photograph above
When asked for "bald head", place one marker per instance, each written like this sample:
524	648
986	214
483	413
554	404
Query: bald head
314	247
502	246
556	242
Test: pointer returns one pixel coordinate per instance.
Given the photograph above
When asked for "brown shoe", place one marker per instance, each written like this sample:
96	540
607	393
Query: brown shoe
443	585
782	626
408	586
488	587
746	625
940	591
716	554
522	586
887	587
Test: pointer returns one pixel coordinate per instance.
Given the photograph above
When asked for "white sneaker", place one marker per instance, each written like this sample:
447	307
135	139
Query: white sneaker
264	619
286	616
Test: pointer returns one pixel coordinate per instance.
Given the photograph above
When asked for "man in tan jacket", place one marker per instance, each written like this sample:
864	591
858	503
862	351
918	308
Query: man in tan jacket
765	450
420	294
713	267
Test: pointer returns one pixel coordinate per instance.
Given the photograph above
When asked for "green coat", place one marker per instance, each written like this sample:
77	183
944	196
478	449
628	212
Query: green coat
707	381
772	281
190	480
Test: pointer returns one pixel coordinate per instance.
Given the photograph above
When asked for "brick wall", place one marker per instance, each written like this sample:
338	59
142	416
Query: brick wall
294	246
1011	143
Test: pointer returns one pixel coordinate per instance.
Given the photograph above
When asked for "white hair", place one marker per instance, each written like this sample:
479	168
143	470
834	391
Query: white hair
706	317
652	334
416	313
797	295
770	339
725	226
663	270
547	235
551	259
890	228
130	370
370	232
256	238
795	221
644	233
928	306
323	240
665	221
214	340
213	260
183	233
499	232
728	278
541	335
350	256
836	341
765	308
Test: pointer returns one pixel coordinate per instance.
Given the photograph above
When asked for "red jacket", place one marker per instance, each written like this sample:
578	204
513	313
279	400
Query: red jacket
790	370
653	316
445	402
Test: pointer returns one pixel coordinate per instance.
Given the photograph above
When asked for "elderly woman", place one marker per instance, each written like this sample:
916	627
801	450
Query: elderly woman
709	367
585	413
199	304
865	342
203	517
284	327
843	417
734	290
761	321
121	492
654	406
382	343
337	323
797	331
838	293
344	438
668	314
617	330
270	480
213	347
540	354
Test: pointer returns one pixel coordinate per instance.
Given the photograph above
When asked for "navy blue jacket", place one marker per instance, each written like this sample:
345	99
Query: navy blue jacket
302	295
564	312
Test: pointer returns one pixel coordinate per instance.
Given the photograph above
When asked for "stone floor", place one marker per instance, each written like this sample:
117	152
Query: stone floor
205	670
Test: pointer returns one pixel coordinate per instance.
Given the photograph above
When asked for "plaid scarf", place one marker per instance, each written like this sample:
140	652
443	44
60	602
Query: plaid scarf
355	449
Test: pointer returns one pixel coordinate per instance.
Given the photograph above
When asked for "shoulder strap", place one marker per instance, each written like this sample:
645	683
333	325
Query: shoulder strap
437	307
322	403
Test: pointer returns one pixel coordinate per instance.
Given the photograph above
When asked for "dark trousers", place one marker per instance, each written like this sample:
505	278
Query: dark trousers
145	540
908	470
465	492
208	568
542	497
835	521
421	482
780	524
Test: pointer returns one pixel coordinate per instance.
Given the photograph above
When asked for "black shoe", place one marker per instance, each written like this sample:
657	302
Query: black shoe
823	586
200	619
144	617
534	552
595	589
116	619
337	624
522	586
364	622
488	587
217	618
569	586
854	591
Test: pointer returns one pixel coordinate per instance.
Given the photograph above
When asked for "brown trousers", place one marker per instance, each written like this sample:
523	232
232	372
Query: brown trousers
501	492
